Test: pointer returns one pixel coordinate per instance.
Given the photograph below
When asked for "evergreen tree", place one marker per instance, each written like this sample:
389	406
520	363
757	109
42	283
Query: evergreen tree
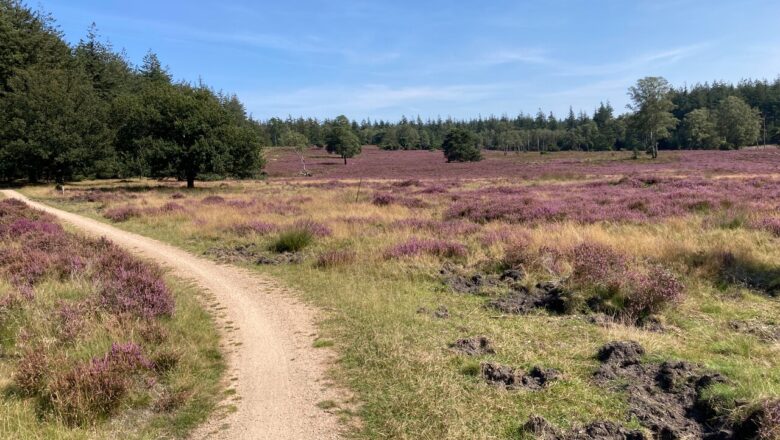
342	140
461	145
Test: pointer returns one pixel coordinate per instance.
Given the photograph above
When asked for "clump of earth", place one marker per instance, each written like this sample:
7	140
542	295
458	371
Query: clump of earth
243	253
510	378
478	283
474	346
665	398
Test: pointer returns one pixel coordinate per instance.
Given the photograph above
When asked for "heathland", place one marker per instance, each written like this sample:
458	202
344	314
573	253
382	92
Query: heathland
478	300
95	342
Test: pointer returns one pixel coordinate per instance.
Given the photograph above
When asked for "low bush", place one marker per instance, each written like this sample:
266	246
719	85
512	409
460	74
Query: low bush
292	240
417	246
316	229
122	213
94	390
620	285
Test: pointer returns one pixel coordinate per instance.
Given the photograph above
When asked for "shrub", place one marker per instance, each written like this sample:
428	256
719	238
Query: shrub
31	372
383	199
336	257
416	246
461	146
213	200
122	213
132	286
95	389
518	251
651	292
771	225
293	240
595	263
170	207
622	285
254	227
315	228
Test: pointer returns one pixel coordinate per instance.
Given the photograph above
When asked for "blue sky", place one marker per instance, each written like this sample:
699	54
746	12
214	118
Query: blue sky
384	59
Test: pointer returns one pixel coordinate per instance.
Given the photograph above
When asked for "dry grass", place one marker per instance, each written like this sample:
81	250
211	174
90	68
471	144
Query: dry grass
409	384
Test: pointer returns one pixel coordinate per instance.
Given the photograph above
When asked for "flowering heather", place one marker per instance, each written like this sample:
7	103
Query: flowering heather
316	229
170	207
254	227
374	163
417	246
433	189
595	263
445	228
213	200
502	235
623	201
95	389
383	199
132	286
650	291
771	225
70	320
122	213
24	225
632	288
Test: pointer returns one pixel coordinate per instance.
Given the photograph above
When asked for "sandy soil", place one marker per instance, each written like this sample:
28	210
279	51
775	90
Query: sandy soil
268	334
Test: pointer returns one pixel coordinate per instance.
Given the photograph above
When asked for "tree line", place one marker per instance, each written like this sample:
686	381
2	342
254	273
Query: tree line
705	116
85	111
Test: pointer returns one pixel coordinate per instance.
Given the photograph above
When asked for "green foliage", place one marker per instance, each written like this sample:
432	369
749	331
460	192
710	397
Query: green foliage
293	240
652	106
461	146
53	125
699	130
738	123
342	140
182	131
70	113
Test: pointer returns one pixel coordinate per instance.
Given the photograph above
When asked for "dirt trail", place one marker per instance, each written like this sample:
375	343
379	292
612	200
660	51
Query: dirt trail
278	375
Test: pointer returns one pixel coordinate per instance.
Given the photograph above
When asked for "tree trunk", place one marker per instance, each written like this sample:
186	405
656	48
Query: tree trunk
190	180
345	159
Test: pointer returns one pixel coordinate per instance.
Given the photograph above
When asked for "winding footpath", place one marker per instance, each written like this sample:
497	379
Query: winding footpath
268	335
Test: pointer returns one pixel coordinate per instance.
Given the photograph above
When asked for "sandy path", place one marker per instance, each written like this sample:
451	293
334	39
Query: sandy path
279	377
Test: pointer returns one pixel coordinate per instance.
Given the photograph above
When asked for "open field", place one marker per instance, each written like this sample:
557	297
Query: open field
96	343
375	163
548	257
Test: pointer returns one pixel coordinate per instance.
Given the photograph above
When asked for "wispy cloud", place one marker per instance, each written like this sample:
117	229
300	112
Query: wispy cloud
366	98
636	63
517	55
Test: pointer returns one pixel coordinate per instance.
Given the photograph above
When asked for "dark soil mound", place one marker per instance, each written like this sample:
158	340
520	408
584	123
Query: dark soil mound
239	253
476	346
509	378
663	397
602	430
546	296
479	283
